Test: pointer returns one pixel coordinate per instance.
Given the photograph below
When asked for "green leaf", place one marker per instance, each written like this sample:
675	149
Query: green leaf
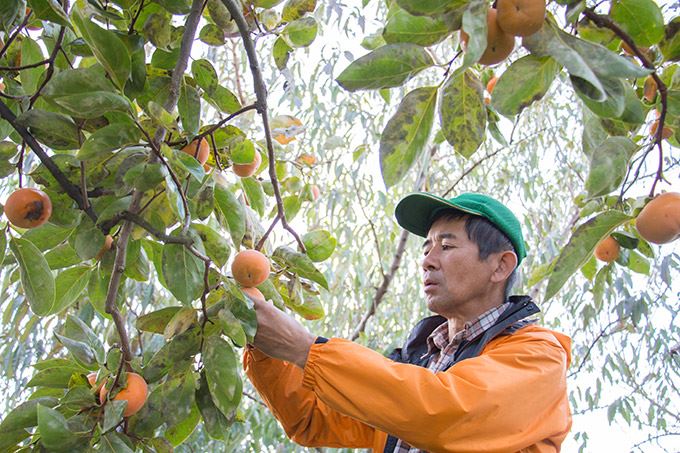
388	66
113	414
205	75
475	25
614	103
106	46
224	99
31	53
76	329
462	113
189	107
301	32
232	327
212	35
55	130
430	7
84	93
11	11
49	10
254	193
526	80
80	351
54	432
87	239
180	348
422	30
215	423
406	133
182	271
158	29
233	212
642	20
221	372
107	139
179	432
69	286
181	321
319	244
581	246
36	277
179	7
638	263
582	59
188	163
608	165
243	152
295	9
113	442
670	44
216	246
281	53
157	320
25	415
300	264
291	206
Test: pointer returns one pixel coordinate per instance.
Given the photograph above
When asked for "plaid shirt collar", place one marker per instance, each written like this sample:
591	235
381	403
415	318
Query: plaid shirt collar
439	340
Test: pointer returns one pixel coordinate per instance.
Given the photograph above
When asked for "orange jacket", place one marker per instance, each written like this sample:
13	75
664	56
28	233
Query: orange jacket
510	398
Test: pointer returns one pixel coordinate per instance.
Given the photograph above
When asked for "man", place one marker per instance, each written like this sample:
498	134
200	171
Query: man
476	377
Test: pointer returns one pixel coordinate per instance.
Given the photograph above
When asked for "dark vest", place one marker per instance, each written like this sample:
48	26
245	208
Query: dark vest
415	348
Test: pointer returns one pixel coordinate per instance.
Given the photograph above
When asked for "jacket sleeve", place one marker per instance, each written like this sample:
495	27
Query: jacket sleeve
510	397
305	419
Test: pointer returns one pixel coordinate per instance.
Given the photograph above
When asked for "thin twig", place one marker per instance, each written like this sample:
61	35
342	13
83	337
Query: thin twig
396	261
261	103
50	68
21	68
15	34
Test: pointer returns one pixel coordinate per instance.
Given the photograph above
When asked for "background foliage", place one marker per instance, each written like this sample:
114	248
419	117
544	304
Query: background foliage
111	91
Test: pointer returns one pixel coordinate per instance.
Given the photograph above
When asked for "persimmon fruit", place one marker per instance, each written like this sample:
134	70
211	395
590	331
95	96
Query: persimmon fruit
203	150
250	268
520	17
135	393
499	44
245	170
92	379
316	192
28	208
607	250
659	220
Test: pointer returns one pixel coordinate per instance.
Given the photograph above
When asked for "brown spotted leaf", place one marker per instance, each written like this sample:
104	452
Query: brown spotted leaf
462	113
406	134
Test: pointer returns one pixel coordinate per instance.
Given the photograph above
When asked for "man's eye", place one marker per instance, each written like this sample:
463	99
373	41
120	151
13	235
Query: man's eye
446	246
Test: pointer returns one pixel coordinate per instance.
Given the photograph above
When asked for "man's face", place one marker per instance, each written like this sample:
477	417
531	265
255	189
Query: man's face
455	280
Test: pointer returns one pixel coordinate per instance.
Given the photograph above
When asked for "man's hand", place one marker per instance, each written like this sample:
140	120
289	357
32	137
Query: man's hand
279	335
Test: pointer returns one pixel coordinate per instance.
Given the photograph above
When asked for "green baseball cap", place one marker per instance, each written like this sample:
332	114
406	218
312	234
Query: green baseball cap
416	211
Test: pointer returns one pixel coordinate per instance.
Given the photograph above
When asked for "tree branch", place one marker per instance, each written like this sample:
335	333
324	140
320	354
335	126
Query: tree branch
121	246
603	21
396	262
261	103
71	189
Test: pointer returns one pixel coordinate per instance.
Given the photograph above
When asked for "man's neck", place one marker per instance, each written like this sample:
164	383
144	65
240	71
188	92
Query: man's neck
457	321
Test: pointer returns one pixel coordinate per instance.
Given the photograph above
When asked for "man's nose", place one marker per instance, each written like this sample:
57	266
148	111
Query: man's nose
429	261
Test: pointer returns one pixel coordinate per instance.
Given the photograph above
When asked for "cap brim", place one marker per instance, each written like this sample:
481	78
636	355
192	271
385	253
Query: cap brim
415	211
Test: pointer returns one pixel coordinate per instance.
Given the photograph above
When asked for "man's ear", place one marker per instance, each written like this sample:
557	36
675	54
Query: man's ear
506	263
